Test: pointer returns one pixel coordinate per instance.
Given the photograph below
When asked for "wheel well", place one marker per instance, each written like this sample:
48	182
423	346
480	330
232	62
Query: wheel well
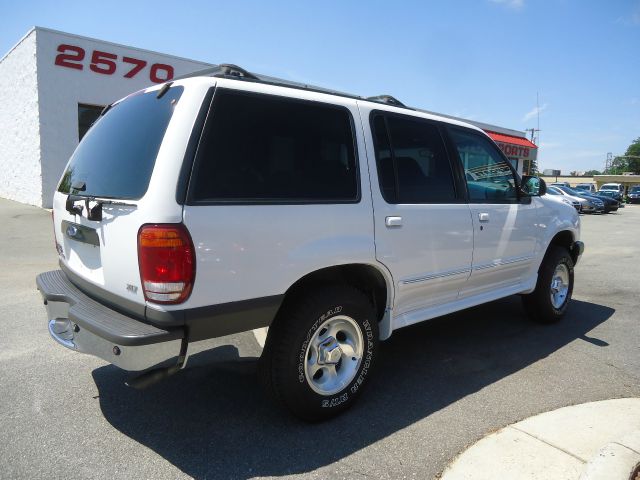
564	239
365	278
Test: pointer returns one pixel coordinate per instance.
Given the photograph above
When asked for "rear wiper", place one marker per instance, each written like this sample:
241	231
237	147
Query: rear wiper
94	213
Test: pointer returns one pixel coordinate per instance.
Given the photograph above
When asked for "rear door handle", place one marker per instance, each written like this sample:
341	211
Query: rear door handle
391	222
483	217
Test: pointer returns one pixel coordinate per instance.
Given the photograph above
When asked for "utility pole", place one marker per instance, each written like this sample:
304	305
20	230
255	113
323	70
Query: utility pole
533	132
534	137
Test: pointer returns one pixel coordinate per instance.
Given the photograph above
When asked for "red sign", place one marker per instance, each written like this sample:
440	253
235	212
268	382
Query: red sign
105	63
514	150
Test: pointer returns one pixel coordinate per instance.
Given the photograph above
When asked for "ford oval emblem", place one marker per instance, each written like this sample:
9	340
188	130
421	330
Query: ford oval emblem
72	231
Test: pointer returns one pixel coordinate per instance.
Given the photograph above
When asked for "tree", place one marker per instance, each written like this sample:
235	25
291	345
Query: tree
591	173
633	152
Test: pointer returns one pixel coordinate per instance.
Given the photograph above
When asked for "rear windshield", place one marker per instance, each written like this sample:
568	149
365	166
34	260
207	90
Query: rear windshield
116	156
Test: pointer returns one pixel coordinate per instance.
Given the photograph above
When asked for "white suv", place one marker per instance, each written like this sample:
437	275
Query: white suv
224	202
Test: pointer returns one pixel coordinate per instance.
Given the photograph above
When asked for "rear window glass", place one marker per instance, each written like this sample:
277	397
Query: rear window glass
264	148
117	155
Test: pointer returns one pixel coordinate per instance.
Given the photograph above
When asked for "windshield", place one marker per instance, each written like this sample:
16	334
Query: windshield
634	190
117	155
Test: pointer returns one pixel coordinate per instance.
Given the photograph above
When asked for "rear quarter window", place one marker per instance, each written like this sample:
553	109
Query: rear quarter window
116	157
269	149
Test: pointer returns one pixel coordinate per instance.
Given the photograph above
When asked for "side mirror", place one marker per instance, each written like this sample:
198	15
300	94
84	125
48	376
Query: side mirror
533	186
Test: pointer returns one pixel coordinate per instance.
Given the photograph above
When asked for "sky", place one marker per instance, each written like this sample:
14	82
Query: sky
485	60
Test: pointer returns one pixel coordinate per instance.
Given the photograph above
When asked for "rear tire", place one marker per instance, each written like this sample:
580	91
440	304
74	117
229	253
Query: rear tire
550	299
320	351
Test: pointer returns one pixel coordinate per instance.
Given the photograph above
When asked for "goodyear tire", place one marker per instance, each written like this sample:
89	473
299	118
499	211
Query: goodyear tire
550	299
320	351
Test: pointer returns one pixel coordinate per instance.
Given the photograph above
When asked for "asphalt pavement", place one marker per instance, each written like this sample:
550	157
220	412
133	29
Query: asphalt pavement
440	386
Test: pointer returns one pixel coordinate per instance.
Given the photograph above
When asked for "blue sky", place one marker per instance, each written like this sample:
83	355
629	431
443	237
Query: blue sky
480	59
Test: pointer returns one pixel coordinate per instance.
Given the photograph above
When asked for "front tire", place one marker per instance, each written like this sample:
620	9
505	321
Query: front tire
320	351
550	299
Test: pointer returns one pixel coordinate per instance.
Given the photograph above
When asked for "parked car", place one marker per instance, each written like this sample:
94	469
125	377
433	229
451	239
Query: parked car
585	205
611	194
588	187
332	219
560	184
615	187
597	203
574	202
610	203
634	194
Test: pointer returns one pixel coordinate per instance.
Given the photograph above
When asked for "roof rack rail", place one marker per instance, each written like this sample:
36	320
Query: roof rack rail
223	70
228	70
388	99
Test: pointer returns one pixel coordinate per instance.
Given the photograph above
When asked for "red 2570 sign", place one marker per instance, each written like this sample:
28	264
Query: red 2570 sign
104	63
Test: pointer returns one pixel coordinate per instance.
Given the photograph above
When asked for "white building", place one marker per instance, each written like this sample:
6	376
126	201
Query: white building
52	87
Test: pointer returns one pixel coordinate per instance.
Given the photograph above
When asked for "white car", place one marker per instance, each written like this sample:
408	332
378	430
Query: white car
224	202
586	205
575	202
613	187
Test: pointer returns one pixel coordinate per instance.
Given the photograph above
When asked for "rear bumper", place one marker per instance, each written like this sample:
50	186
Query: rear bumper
80	323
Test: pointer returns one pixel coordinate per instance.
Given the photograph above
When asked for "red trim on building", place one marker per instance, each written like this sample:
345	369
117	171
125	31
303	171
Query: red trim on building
500	137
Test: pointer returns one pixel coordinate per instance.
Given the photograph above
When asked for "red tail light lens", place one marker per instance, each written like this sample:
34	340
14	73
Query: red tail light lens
167	262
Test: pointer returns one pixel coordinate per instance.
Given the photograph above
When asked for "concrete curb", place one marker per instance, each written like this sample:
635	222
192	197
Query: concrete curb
591	441
617	459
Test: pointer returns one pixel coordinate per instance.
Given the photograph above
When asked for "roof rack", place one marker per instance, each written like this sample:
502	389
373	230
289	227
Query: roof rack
228	70
388	99
222	70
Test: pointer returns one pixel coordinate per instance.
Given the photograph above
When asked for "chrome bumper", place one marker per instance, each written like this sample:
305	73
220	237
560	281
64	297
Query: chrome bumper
80	323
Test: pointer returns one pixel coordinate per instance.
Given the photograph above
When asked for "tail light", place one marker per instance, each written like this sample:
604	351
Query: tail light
166	258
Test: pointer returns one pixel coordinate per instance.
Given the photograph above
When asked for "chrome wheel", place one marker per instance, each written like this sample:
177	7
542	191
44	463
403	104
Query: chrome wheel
333	355
559	286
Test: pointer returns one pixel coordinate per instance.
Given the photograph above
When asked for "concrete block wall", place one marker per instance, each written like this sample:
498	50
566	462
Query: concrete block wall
20	172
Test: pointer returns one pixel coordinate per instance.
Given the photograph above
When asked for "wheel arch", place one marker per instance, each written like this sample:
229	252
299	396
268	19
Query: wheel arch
373	281
565	239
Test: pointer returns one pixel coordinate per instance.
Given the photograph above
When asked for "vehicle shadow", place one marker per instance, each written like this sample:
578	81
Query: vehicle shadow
212	419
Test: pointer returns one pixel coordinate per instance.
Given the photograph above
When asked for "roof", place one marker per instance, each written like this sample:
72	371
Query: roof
513	140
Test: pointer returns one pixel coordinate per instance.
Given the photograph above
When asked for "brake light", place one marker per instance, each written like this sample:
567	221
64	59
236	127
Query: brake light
166	258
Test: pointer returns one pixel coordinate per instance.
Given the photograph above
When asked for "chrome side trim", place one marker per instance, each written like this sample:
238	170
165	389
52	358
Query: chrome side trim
435	275
501	263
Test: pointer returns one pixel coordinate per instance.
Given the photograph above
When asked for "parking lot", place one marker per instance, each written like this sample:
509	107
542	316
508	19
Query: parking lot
440	386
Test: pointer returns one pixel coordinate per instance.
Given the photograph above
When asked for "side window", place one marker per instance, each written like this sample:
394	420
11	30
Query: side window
413	166
488	174
264	148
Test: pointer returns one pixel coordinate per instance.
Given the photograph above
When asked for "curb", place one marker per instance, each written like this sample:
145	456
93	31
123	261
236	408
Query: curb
618	459
591	441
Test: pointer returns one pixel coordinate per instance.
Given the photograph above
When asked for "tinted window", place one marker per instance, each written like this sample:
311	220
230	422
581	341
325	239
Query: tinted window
117	155
266	148
489	175
413	166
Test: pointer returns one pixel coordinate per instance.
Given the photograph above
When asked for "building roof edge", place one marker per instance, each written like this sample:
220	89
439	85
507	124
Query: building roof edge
24	37
83	37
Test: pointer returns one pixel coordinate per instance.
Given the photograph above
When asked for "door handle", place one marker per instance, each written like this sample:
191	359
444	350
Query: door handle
483	217
391	222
